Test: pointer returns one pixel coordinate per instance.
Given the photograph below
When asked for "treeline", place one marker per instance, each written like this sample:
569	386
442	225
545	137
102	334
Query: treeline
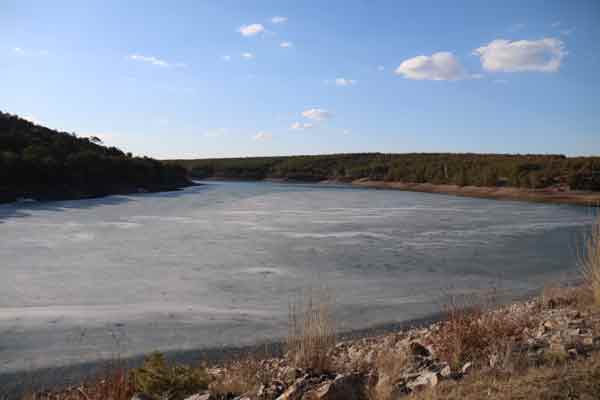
525	171
43	163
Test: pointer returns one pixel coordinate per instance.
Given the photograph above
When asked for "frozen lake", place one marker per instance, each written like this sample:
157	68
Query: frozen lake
218	264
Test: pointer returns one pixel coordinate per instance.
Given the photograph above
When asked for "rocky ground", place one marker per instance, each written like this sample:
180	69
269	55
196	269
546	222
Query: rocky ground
546	348
540	332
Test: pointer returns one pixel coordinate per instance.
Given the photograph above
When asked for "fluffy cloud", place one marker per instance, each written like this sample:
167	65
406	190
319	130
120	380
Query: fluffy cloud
299	126
251	30
544	55
344	82
279	20
262	136
248	56
317	114
285	45
442	66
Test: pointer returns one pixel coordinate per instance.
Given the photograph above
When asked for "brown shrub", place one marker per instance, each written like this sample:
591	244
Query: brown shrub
311	334
470	334
390	367
589	261
114	385
240	377
571	380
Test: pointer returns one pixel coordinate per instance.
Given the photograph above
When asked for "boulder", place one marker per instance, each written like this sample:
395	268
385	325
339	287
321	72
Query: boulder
343	387
418	350
425	380
295	391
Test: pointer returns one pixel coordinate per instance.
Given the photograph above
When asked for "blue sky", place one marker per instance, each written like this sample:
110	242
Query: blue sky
226	78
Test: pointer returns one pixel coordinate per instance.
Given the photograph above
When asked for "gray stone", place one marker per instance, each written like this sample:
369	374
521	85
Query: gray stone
141	396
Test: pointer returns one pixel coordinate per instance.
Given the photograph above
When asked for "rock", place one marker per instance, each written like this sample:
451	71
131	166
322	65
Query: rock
446	371
200	396
343	387
295	391
466	368
418	350
274	389
141	396
426	379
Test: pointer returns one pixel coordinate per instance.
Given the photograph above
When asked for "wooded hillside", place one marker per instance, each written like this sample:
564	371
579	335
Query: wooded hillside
39	162
530	171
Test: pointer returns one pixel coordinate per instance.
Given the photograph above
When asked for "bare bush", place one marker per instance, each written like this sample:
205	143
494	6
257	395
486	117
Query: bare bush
589	261
473	334
311	334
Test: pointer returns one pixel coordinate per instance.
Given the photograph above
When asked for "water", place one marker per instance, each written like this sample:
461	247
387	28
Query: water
219	264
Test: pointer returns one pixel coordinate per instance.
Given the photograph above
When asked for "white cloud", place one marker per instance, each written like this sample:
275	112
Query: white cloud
251	30
154	61
247	56
19	50
262	136
442	66
286	45
556	24
299	126
279	20
544	55
317	114
226	58
344	82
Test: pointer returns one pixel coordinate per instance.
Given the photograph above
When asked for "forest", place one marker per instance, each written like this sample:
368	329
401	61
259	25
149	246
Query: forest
41	163
513	170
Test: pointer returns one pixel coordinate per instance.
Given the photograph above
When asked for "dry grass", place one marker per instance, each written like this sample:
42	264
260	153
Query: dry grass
589	261
114	385
311	333
239	378
390	367
471	334
569	380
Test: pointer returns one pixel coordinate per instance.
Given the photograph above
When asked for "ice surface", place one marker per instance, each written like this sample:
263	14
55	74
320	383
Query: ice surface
218	264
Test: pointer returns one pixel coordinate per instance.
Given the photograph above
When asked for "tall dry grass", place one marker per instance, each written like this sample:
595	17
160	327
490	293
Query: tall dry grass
311	334
471	333
589	261
115	384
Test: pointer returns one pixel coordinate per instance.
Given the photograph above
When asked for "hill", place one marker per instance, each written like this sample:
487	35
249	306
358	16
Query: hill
41	163
487	170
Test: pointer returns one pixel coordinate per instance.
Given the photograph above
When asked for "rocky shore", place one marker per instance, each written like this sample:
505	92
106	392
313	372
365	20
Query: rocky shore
490	353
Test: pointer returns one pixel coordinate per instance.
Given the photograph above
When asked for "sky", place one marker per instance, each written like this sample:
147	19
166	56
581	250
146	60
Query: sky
225	78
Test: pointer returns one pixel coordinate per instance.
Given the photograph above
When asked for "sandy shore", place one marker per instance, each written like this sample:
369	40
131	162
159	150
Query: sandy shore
589	199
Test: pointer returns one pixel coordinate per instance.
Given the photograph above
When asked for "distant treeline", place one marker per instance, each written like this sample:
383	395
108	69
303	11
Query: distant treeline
43	163
526	171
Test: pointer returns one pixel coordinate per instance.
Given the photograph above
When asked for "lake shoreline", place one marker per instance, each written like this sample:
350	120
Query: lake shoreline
578	198
15	383
66	192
